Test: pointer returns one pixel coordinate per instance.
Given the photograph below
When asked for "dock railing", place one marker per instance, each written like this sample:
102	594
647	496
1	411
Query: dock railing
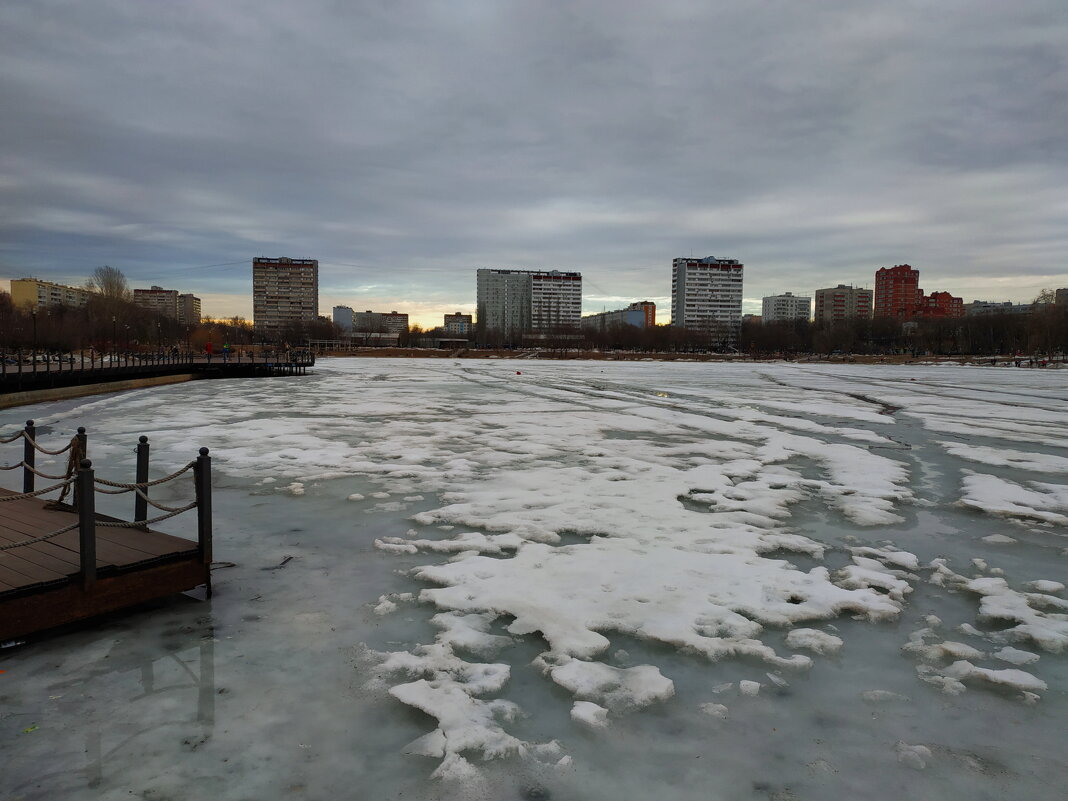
81	478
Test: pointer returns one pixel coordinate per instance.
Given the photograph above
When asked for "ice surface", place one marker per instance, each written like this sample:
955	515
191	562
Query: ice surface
491	570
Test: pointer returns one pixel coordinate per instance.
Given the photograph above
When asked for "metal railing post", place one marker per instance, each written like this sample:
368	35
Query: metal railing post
140	504
28	456
83	442
202	484
86	523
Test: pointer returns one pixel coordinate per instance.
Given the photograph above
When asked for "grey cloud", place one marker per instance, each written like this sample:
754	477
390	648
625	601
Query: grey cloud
417	141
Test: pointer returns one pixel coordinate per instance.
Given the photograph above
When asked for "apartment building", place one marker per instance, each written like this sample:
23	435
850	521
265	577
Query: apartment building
555	300
706	295
787	306
640	315
843	302
940	304
169	303
37	293
519	301
189	309
458	323
393	322
897	292
980	308
343	318
285	294
159	300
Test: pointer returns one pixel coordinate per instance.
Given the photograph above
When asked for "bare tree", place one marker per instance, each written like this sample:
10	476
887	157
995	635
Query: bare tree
110	282
1046	296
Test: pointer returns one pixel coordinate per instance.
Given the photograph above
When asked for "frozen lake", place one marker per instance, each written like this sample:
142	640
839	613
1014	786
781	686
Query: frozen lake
578	580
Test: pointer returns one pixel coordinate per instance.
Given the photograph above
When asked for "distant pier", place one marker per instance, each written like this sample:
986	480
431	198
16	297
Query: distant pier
28	374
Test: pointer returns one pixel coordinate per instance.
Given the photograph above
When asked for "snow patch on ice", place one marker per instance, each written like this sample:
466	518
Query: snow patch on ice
1009	677
914	756
715	604
1015	656
883	697
714	710
1044	585
998	539
814	640
590	714
619	689
1005	457
999	496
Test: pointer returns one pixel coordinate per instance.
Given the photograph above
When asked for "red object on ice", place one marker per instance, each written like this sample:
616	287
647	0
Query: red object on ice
517	372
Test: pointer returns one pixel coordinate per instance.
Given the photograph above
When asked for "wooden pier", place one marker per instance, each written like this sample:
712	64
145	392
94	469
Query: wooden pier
61	563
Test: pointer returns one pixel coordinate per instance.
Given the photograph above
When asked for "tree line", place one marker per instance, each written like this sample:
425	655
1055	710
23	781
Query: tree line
1043	330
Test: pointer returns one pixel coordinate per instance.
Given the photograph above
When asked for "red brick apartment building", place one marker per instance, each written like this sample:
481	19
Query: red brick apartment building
942	304
897	292
898	296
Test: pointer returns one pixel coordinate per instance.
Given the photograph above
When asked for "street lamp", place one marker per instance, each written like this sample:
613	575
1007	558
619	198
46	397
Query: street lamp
33	314
114	339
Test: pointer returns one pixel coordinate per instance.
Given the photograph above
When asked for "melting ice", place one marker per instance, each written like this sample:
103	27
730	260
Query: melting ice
590	579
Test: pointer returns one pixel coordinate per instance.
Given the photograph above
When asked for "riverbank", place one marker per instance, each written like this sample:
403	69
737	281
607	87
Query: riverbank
629	356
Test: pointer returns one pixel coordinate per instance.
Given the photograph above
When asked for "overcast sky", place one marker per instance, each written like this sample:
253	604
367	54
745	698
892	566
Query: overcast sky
405	144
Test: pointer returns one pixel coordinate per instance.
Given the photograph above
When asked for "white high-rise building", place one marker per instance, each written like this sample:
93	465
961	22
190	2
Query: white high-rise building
787	306
285	295
706	295
515	302
555	300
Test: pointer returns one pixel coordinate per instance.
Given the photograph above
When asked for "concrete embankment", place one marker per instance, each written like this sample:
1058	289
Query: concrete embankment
12	399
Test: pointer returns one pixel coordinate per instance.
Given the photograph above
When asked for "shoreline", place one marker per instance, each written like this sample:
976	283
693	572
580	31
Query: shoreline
539	355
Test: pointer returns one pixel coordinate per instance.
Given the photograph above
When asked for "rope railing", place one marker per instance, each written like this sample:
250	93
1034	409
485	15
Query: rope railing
42	538
35	493
62	450
143	523
25	435
75	449
37	472
129	487
163	507
81	477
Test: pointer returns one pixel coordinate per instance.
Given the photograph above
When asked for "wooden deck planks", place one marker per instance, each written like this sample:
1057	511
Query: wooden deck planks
57	559
42	583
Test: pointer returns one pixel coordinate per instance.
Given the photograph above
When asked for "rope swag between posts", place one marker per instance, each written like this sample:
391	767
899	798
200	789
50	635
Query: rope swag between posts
76	451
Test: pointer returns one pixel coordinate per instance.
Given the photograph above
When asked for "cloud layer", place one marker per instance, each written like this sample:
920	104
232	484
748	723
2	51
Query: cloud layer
407	144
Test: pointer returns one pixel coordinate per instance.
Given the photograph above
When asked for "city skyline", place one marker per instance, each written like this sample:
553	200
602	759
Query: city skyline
404	151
